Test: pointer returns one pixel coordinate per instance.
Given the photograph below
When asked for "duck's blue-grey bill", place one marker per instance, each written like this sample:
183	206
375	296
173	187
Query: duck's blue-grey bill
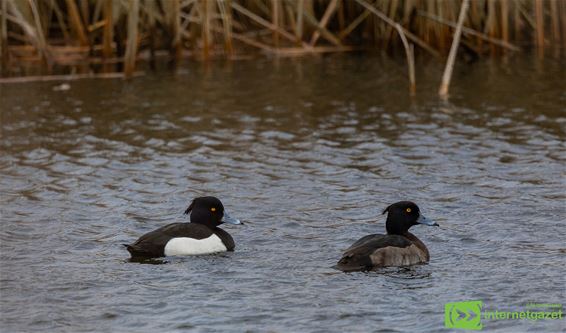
423	220
229	219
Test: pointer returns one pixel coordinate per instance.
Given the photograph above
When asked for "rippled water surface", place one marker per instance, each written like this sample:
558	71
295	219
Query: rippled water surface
307	152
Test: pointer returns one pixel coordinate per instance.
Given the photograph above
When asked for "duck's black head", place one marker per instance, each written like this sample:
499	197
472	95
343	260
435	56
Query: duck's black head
209	211
403	215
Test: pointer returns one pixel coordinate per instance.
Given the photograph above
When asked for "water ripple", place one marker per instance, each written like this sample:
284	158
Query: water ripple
309	175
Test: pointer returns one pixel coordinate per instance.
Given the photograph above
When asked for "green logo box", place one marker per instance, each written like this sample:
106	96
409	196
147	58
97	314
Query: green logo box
465	315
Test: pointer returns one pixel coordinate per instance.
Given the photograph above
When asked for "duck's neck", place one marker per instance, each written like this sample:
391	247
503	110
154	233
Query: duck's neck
417	243
205	223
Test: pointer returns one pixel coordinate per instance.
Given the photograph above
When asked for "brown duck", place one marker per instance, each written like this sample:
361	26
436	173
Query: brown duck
398	248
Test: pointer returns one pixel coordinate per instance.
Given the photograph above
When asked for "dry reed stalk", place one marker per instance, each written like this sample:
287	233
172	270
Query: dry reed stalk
427	28
562	8
76	22
291	18
4	38
308	11
409	51
443	91
389	29
48	78
275	21
409	8
411	36
60	21
476	17
472	32
299	30
85	13
344	33
191	32
299	51
260	6
96	15
132	43
555	20
21	39
175	23
325	33
45	22
151	9
324	20
517	23
263	22
95	26
108	31
206	35
505	20
528	19
226	15
29	30
40	36
248	41
341	16
450	11
539	26
491	22
151	31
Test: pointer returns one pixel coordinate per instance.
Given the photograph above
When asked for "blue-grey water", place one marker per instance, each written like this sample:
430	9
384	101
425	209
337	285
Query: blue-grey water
307	152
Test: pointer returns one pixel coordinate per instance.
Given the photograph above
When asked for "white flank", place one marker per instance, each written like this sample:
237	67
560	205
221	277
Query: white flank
185	246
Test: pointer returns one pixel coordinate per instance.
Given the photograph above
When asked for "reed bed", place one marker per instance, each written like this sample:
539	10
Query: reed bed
106	36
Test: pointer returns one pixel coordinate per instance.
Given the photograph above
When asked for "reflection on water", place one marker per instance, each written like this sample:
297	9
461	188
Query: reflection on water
308	152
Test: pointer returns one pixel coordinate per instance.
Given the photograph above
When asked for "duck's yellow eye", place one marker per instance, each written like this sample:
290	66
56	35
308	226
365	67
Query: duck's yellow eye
408	210
212	209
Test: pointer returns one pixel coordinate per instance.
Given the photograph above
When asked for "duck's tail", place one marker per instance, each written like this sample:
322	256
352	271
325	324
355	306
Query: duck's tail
137	252
129	248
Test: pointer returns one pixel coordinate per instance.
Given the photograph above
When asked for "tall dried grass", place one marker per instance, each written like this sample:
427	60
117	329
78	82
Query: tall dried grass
110	35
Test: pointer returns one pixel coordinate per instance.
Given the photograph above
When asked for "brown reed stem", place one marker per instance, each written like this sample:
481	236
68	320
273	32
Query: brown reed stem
248	41
443	91
275	21
409	51
389	29
48	78
76	22
562	9
329	36
263	22
324	21
389	21
151	22
42	42
206	9
300	9
539	27
176	30
28	29
60	21
491	23
555	22
344	33
34	29
291	17
472	32
4	38
226	13
505	20
132	44
108	32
